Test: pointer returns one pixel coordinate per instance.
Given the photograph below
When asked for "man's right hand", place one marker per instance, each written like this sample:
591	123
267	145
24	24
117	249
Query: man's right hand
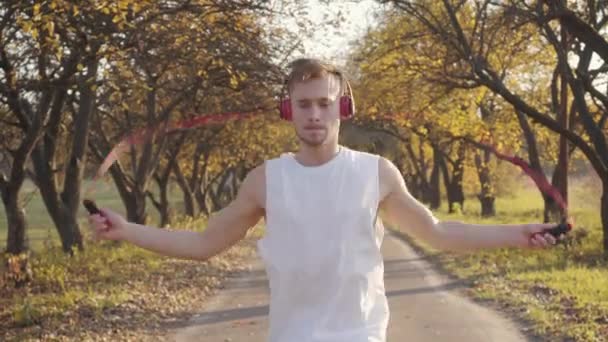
108	226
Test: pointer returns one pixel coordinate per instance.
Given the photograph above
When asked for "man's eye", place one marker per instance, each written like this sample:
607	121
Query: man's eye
304	105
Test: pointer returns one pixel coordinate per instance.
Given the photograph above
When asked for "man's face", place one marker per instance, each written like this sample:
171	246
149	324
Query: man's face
316	110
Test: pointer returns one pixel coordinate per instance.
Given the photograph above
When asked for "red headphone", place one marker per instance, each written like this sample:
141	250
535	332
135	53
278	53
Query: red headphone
347	103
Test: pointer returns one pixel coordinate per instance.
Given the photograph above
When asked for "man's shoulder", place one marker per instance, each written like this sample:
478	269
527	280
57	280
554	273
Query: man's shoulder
254	184
257	173
389	175
361	154
387	170
277	159
382	161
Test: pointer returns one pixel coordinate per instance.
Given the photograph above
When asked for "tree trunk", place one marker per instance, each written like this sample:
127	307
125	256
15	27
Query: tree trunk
424	189
164	207
186	190
458	177
488	209
74	238
34	123
214	194
162	180
455	193
533	155
199	176
162	204
446	183
404	171
63	219
136	208
553	213
420	171
16	241
604	214
435	193
220	189
453	182
63	207
188	201
486	194
206	195
562	162
239	176
413	185
201	200
45	96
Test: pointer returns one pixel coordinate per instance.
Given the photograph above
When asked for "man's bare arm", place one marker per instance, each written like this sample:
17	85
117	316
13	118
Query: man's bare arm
401	209
224	229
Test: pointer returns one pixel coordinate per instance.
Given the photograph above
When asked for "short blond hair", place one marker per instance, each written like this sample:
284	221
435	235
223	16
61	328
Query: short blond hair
304	69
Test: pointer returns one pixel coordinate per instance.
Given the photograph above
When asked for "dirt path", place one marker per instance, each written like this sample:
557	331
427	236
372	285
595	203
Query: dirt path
424	306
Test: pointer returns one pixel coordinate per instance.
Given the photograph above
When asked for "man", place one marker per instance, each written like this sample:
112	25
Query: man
323	234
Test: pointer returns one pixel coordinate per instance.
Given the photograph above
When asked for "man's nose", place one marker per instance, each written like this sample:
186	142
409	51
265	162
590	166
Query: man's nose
315	113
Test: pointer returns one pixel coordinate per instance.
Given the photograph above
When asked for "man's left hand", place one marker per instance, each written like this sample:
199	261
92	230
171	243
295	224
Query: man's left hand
531	238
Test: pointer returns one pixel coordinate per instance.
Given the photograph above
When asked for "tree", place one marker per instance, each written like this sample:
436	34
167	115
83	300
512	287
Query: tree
464	30
148	85
36	76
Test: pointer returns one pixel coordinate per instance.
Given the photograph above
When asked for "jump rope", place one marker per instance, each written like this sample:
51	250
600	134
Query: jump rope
347	111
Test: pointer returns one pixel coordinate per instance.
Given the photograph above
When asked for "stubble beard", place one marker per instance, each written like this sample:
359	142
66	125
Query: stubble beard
313	142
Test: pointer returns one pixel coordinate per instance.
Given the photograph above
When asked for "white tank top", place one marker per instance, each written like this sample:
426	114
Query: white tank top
322	250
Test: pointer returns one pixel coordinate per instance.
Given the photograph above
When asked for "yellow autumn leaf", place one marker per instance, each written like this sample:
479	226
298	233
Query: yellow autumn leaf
50	27
123	5
234	82
27	26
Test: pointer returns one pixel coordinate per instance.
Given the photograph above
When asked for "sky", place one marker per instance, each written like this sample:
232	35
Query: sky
332	43
329	42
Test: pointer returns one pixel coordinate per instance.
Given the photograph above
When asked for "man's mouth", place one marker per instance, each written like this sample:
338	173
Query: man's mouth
314	128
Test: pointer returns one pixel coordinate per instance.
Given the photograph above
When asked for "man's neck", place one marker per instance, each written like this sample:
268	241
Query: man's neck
315	156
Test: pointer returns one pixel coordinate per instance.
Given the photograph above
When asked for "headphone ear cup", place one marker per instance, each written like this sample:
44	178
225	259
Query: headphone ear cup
347	107
285	109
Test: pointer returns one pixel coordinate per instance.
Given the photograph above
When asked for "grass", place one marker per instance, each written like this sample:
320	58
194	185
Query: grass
561	291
